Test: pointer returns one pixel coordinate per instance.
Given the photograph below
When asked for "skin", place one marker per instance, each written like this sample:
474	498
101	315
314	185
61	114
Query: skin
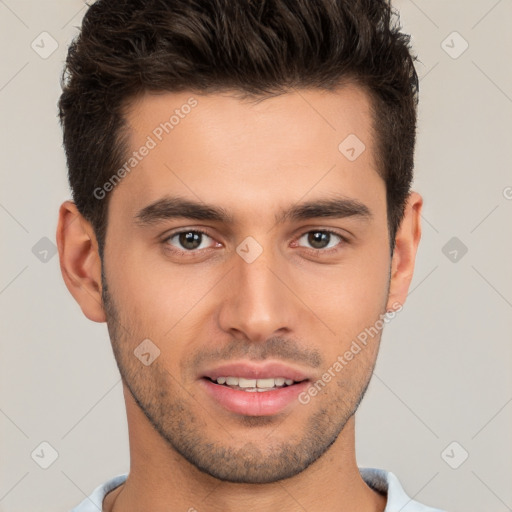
290	305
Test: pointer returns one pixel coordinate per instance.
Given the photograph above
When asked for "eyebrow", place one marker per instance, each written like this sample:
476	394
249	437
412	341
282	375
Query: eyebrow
168	208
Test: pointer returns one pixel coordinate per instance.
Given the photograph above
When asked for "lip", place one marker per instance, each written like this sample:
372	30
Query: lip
247	403
270	369
266	403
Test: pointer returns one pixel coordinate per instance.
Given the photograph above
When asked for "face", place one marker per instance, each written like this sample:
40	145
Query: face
248	282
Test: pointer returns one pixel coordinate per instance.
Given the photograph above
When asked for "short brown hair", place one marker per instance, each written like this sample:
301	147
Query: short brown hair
256	47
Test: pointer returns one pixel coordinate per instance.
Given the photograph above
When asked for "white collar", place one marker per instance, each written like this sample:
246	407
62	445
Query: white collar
380	480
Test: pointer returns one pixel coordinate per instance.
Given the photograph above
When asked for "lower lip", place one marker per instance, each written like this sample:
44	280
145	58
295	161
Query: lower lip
257	403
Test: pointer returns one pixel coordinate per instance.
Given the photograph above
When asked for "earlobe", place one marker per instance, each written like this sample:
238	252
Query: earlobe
404	256
80	263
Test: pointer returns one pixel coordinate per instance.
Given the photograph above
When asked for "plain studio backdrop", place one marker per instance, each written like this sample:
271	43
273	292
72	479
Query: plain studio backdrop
438	412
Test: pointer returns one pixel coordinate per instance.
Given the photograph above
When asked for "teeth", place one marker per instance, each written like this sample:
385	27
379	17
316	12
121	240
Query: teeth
265	383
246	383
253	385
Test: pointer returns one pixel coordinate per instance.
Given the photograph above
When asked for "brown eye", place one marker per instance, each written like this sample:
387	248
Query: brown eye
189	240
321	240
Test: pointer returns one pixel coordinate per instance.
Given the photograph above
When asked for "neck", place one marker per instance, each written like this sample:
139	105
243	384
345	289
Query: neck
161	480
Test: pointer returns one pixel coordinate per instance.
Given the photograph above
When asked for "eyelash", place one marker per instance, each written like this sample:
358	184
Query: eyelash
195	252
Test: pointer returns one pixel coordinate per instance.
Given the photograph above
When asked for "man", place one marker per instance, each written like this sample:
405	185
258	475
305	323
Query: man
243	222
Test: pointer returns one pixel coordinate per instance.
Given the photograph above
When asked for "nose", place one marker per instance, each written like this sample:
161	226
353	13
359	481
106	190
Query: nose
259	301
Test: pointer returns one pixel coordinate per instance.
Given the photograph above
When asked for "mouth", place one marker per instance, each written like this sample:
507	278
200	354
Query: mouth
254	390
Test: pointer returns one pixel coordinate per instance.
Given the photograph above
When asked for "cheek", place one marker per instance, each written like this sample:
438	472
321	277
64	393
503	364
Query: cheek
351	295
160	297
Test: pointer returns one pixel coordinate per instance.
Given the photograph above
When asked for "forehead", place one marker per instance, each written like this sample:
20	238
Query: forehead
292	117
241	151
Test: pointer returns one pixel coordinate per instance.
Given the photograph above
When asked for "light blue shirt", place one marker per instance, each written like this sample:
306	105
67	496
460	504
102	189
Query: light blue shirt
382	481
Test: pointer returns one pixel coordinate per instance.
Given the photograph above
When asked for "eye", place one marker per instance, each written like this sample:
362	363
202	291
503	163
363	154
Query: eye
322	240
188	241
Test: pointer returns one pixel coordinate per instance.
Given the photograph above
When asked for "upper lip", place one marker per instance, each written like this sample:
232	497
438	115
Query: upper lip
251	370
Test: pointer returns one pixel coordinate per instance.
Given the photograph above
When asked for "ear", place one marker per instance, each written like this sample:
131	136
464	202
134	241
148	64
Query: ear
80	263
404	256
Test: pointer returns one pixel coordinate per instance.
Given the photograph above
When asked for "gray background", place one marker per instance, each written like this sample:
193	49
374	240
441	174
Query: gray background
443	373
